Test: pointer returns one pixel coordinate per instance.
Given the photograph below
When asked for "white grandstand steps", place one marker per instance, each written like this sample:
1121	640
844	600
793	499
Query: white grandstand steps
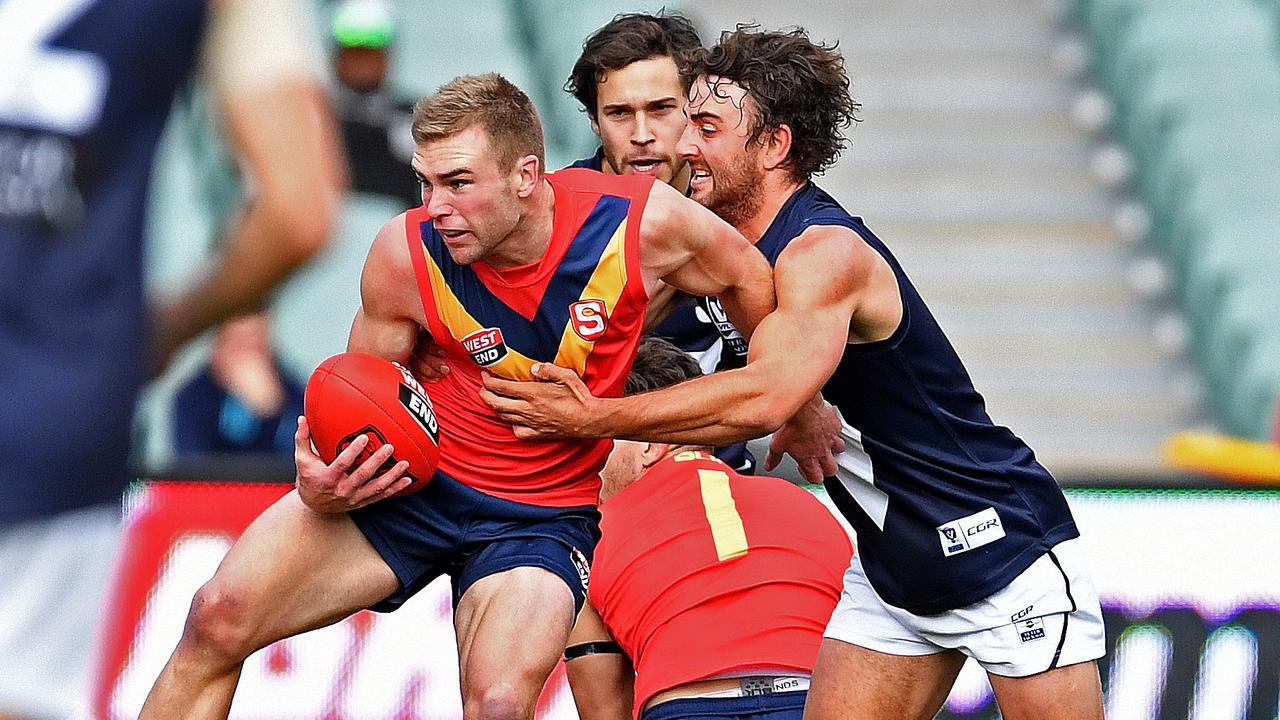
969	167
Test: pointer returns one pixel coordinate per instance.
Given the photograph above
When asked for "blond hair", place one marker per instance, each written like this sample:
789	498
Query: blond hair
490	101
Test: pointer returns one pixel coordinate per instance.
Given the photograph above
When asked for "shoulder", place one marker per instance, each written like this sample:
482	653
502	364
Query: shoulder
834	247
388	270
582	179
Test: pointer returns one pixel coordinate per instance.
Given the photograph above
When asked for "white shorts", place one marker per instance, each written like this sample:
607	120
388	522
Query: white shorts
1047	617
55	573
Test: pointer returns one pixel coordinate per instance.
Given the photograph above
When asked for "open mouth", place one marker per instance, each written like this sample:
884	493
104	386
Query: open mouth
452	234
699	177
645	166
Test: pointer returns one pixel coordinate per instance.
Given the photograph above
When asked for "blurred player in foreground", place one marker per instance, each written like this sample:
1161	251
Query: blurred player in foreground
85	90
504	266
965	541
717	585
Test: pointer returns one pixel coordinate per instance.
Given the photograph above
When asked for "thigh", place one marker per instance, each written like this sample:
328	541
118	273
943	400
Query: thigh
1073	692
857	683
512	628
294	569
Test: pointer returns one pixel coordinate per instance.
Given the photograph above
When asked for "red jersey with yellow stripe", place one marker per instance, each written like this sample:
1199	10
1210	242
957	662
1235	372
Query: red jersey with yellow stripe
702	572
581	306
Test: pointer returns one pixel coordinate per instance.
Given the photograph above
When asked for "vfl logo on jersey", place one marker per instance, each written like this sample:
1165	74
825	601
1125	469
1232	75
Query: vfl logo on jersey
580	564
485	346
588	319
967	533
416	402
733	340
1030	630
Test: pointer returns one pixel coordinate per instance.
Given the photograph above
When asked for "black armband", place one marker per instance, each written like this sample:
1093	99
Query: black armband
603	647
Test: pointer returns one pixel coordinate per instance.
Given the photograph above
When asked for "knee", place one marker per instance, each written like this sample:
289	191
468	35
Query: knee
219	624
502	701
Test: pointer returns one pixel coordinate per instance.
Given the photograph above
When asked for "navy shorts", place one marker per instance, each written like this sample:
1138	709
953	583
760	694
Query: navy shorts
449	528
774	706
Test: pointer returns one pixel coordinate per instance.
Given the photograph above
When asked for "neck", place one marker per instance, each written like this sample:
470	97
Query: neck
779	186
528	241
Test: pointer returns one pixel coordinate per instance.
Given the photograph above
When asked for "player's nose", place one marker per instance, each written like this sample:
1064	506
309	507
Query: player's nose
686	147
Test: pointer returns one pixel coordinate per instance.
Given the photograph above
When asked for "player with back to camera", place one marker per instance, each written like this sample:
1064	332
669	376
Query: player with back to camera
85	91
504	266
966	544
717	585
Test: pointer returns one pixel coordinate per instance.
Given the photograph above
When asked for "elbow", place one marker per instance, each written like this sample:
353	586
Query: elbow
764	414
300	232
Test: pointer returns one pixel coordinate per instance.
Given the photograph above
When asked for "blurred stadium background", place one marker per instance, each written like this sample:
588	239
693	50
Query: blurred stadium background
1084	191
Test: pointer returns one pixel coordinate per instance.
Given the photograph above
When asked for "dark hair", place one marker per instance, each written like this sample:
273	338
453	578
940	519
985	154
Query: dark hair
659	364
490	101
628	38
794	82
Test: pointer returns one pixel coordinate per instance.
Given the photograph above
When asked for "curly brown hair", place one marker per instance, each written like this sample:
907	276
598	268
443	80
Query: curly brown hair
793	81
629	38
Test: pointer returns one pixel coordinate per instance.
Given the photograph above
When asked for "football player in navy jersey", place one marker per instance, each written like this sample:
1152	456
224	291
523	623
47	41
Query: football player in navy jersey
85	91
967	547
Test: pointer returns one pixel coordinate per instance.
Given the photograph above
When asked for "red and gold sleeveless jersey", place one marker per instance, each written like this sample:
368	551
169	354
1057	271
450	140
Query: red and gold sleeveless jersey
581	306
701	571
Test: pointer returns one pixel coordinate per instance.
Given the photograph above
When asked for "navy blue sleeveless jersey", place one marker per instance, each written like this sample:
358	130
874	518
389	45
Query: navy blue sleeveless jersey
948	506
595	162
81	112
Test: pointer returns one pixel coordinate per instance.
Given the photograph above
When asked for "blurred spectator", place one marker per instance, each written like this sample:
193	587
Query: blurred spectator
243	401
85	89
375	125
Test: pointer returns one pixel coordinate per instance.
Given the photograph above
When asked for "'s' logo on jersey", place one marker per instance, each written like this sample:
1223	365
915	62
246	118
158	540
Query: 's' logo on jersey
485	346
588	319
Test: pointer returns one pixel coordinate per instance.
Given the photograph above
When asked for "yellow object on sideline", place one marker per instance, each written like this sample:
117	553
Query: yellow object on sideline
1225	456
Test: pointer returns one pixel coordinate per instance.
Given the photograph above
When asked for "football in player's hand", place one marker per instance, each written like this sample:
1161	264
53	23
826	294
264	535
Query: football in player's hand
351	394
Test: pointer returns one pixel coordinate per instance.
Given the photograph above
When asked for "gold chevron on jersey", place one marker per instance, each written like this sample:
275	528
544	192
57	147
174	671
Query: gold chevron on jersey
605	287
461	325
508	330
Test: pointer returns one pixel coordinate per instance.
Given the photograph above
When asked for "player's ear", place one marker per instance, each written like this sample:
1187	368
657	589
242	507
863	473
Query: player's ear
595	126
652	452
777	147
530	173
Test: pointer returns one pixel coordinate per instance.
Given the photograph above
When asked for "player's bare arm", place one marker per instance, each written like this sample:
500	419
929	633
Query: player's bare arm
792	354
603	683
281	128
686	247
386	325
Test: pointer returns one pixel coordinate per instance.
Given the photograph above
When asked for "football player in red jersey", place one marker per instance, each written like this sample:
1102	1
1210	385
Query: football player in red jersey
506	266
717	586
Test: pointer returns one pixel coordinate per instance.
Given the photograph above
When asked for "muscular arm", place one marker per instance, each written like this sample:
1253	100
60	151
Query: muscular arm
831	286
280	127
603	685
385	325
390	314
688	248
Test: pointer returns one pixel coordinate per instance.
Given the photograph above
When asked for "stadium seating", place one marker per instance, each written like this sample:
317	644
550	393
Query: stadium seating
1196	90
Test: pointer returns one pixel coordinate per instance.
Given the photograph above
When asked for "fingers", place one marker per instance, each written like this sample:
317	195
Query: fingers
550	372
368	468
828	465
384	486
811	470
508	388
772	458
347	457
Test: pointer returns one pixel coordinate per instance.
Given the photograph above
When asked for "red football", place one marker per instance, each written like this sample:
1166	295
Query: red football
354	393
